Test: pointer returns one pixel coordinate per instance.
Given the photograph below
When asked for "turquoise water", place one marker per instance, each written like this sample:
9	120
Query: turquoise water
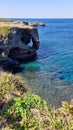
51	74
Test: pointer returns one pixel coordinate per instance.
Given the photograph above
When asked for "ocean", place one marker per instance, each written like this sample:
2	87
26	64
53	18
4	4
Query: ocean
50	75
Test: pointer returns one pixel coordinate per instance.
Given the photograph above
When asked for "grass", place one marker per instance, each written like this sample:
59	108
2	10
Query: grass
4	20
11	85
4	30
26	111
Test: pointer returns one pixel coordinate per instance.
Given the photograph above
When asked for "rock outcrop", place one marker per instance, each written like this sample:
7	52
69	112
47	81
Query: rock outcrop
36	24
15	39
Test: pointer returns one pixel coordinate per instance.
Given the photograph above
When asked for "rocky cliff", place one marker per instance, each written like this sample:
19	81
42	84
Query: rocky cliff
15	39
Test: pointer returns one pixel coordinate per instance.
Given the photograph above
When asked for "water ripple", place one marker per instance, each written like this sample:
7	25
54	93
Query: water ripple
51	74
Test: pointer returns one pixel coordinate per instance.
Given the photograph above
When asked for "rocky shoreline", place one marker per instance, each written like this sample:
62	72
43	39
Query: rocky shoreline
15	39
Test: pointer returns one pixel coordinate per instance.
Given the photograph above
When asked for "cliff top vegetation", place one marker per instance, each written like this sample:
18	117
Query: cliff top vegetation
22	110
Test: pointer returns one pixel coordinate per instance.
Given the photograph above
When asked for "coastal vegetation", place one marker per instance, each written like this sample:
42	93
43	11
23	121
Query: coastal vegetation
10	84
22	110
4	30
4	20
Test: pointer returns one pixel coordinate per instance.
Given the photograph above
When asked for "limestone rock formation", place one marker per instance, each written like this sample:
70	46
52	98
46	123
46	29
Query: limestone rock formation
36	24
15	39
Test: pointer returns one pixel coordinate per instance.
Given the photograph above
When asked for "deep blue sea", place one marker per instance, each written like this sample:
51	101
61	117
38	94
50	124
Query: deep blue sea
50	75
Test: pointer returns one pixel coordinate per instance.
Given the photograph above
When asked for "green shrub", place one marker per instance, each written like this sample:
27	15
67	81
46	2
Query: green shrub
28	110
31	113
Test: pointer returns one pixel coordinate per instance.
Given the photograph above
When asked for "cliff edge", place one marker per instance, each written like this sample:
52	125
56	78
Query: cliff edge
15	39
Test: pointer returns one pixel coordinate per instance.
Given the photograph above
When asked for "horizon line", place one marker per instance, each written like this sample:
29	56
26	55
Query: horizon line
34	18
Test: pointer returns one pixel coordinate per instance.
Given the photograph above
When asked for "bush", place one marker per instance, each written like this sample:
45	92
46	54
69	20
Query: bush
32	113
27	110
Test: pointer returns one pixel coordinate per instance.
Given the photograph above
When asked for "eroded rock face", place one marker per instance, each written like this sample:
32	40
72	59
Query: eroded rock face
15	43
